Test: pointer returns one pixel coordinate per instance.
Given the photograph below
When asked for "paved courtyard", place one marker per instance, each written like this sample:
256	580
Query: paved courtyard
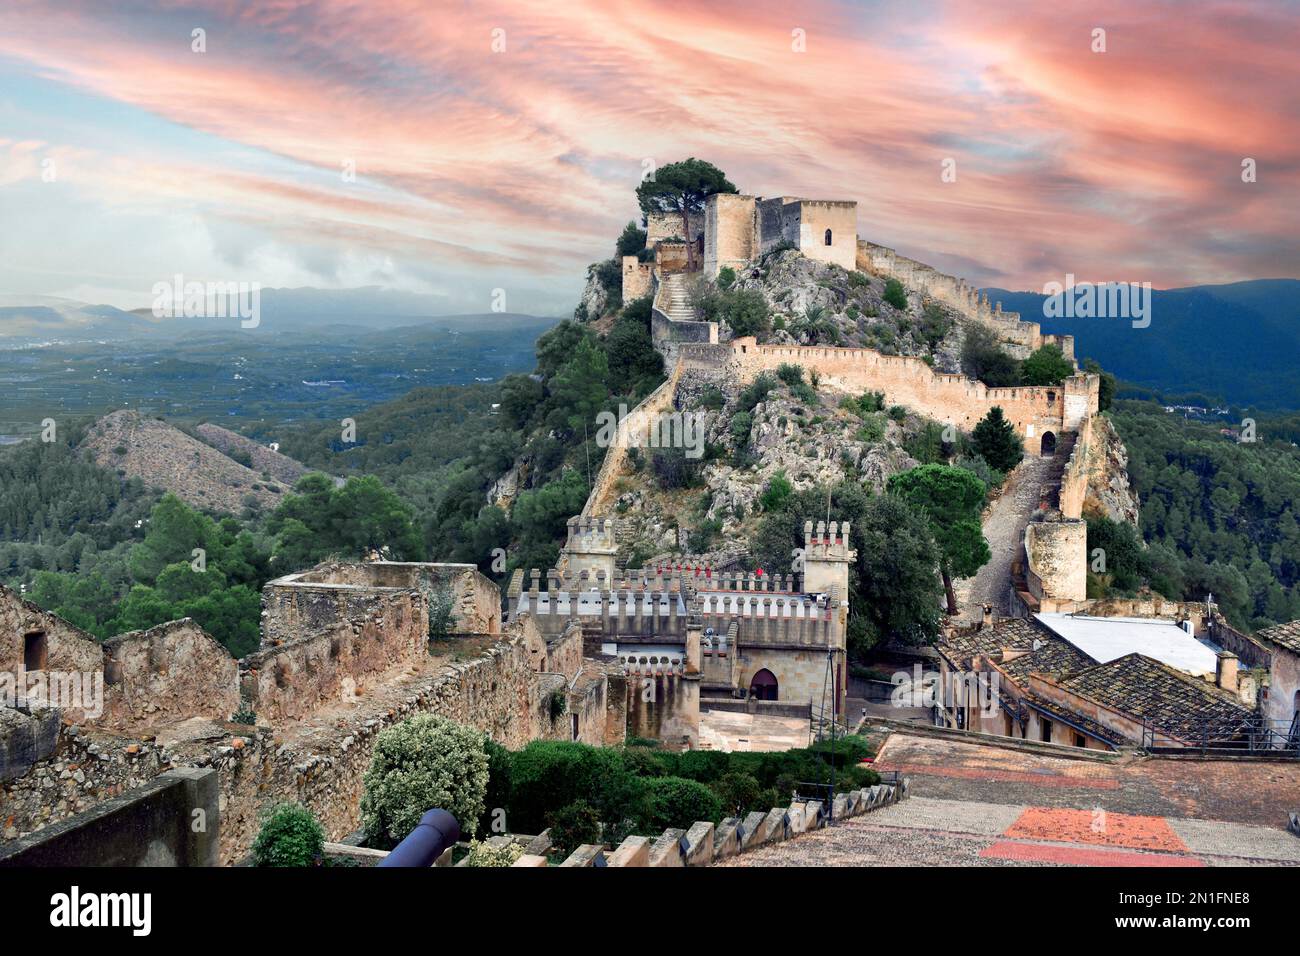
727	731
974	805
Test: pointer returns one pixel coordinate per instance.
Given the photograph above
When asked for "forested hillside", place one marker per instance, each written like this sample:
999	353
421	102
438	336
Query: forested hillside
1219	515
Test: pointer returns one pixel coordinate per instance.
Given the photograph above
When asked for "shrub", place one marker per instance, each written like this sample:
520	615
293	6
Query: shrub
746	311
895	294
290	836
549	774
983	357
778	490
756	391
738	793
677	802
805	393
419	764
704	534
631	241
485	854
872	430
790	374
726	277
1047	366
497	795
573	825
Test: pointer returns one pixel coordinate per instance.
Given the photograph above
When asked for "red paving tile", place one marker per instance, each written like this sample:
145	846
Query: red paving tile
1081	856
1003	776
1096	827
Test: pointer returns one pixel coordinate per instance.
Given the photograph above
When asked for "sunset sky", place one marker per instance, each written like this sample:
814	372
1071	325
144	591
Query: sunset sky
478	170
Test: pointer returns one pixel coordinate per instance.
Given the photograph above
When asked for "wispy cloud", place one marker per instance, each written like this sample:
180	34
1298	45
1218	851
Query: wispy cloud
478	169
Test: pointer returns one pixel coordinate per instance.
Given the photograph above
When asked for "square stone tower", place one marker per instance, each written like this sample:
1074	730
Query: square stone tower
826	558
590	547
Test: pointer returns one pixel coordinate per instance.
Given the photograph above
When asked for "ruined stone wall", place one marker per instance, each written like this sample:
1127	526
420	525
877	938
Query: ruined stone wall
171	672
668	225
638	420
1074	478
907	380
86	768
345	638
665	707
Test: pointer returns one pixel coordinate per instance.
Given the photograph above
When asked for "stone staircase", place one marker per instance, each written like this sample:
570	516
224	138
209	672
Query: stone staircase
675	301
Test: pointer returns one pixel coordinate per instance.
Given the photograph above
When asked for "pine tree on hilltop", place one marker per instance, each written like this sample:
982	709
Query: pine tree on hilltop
997	442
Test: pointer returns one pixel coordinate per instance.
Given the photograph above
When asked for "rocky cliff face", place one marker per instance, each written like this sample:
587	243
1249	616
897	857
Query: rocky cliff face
1108	492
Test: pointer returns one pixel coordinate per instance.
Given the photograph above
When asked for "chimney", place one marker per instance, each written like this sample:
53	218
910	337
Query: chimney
1225	672
990	616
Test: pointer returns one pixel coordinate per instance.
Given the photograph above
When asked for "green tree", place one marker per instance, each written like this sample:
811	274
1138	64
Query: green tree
1107	386
1046	366
895	294
899	593
996	441
983	357
951	500
579	388
631	240
682	188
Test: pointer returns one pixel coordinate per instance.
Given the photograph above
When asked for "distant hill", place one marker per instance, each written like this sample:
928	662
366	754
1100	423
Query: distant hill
166	458
1237	341
44	318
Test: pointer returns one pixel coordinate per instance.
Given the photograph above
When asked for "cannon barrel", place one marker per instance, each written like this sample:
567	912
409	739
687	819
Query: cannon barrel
436	831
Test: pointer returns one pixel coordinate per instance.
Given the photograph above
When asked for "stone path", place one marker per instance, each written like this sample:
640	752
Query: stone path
729	731
976	805
1004	528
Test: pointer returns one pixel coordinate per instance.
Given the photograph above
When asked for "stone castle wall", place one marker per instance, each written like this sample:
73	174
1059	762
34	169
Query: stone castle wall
960	295
909	381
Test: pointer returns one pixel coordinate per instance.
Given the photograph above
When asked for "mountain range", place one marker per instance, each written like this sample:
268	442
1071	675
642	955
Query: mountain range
1237	342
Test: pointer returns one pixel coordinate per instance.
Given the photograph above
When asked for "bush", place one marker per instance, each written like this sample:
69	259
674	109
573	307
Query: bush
485	854
497	795
726	277
777	491
419	764
790	374
290	836
895	294
983	357
574	825
1047	366
549	774
746	312
677	802
739	793
756	391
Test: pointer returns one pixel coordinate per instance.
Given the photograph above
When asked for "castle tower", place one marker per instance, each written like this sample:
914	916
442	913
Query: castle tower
590	547
826	558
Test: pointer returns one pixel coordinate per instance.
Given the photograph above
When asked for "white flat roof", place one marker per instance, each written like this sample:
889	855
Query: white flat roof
1105	639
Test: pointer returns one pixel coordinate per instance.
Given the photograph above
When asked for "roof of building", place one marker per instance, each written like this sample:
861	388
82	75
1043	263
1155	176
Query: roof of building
1283	635
1043	651
1107	639
1013	632
1164	696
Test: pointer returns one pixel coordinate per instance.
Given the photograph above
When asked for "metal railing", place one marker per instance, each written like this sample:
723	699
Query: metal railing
1254	736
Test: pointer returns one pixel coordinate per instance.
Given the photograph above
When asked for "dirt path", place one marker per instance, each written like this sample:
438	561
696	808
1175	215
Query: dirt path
1004	528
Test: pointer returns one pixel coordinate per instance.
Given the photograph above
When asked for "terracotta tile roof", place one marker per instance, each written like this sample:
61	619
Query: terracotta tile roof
1174	702
1283	635
1046	652
1010	632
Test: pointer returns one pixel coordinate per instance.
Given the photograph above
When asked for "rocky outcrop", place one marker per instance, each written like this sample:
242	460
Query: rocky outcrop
1108	492
166	458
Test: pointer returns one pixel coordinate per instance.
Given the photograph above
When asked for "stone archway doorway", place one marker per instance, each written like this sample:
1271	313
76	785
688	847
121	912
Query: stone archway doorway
763	686
1049	444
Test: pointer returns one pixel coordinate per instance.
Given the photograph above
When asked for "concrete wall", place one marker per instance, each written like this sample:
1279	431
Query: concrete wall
173	820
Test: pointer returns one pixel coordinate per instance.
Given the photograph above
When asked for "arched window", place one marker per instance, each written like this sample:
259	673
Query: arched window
828	237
